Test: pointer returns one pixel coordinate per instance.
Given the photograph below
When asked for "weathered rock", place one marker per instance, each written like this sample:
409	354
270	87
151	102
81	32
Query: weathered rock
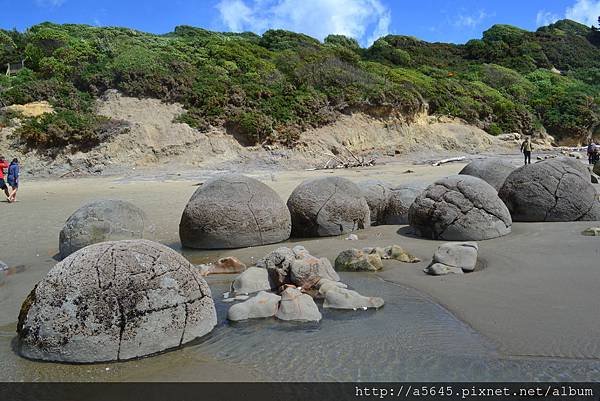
358	260
438	269
493	170
399	203
459	208
115	301
342	298
253	279
377	194
263	304
352	237
228	265
296	266
99	221
398	253
295	305
551	190
592	231
457	254
234	211
325	285
596	169
328	206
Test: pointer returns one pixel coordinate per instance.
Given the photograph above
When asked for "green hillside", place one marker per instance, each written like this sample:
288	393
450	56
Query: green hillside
269	88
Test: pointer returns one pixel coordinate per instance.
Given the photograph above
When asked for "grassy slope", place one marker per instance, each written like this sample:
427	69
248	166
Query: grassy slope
271	87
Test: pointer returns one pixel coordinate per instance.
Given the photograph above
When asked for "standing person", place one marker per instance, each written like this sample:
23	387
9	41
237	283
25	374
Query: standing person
526	148
592	151
3	187
13	179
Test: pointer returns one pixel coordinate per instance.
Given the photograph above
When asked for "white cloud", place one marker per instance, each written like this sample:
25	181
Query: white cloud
584	11
365	20
471	21
546	18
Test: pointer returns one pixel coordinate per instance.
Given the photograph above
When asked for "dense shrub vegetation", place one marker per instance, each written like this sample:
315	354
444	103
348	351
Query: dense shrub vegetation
271	87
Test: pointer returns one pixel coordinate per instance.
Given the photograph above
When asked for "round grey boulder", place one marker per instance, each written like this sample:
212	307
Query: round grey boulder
328	206
493	170
115	301
459	208
399	203
551	190
377	194
99	221
234	211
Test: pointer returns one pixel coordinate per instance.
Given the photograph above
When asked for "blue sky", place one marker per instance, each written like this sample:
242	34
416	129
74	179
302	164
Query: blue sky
432	20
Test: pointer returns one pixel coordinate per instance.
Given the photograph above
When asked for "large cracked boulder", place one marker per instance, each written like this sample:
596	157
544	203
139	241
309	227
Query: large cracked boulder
459	208
326	207
115	301
551	190
493	170
99	221
234	211
399	201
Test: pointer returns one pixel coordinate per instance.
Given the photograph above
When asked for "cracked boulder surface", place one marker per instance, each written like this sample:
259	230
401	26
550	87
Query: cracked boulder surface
459	208
399	203
377	194
492	170
328	206
99	221
234	211
551	190
115	301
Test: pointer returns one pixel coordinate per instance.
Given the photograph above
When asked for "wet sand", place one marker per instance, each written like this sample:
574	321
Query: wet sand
536	296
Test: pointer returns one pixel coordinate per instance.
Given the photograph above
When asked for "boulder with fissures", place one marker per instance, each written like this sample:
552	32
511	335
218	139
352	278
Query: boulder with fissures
326	207
493	170
551	190
459	208
115	301
234	211
399	201
99	221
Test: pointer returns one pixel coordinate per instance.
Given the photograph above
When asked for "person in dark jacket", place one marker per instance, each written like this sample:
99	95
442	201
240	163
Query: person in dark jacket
526	148
13	179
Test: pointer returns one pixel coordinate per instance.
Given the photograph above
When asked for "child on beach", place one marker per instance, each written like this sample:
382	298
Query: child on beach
3	186
13	179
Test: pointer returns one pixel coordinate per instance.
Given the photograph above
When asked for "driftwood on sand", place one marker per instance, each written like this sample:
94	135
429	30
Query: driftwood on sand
449	160
338	161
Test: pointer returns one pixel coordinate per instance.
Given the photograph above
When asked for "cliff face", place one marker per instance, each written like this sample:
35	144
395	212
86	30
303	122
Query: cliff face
271	89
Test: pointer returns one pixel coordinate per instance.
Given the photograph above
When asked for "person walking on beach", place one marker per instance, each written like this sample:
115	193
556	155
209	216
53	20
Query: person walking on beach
3	186
592	151
13	179
526	148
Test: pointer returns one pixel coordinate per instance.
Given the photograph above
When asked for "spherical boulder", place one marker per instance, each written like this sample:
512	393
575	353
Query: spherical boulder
493	170
399	203
459	208
551	190
326	207
377	194
234	211
115	301
99	221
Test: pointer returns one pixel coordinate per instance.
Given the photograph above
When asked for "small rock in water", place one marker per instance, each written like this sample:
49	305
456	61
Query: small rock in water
352	237
264	304
226	295
241	297
254	279
592	232
228	265
229	300
297	306
342	298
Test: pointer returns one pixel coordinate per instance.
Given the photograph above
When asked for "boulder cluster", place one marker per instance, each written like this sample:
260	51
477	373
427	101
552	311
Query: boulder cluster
287	282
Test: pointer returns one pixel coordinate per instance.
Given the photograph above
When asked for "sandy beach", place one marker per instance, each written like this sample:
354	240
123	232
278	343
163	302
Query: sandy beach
535	296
